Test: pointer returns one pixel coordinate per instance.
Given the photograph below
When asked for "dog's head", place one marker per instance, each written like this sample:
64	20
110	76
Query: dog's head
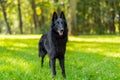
59	24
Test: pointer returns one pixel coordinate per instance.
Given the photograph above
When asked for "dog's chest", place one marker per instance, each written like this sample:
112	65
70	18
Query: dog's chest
60	45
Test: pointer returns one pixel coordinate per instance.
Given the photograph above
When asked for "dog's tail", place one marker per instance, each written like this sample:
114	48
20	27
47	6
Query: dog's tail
41	48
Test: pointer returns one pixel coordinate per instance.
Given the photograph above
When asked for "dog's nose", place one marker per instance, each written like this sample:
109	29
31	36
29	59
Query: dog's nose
61	29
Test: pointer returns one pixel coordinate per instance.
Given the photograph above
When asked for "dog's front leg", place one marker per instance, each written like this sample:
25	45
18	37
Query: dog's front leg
52	62
62	66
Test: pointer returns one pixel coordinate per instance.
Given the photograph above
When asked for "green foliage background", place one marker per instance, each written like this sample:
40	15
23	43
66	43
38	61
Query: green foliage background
83	16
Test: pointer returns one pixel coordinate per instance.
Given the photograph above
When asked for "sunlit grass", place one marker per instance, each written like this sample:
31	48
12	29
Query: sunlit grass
19	36
87	58
96	38
104	45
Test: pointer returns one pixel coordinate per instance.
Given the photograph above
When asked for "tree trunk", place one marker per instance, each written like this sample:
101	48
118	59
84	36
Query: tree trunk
99	26
73	17
0	30
34	14
112	27
112	22
20	17
119	21
42	20
5	18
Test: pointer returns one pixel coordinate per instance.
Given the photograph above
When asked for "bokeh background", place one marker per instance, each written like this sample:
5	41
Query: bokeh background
83	16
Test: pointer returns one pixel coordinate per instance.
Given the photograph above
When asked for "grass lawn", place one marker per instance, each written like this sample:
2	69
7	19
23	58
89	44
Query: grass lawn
87	58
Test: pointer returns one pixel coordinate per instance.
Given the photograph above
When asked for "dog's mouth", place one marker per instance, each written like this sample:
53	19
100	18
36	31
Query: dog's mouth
61	32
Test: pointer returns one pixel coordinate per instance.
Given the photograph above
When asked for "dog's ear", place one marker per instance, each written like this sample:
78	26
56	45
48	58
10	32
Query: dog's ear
62	16
54	16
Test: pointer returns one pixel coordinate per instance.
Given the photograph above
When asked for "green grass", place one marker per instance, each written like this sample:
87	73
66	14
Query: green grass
87	58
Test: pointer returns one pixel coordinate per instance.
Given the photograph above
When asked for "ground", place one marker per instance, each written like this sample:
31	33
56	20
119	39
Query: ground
87	58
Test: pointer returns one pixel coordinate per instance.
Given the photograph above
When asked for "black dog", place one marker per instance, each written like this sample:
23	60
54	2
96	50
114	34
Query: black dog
54	43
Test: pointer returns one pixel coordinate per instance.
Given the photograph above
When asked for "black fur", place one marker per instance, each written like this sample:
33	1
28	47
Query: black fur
54	43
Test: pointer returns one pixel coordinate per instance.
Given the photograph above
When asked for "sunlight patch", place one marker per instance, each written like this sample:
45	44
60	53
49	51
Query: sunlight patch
74	38
20	36
95	50
97	39
13	63
70	48
20	45
113	54
13	48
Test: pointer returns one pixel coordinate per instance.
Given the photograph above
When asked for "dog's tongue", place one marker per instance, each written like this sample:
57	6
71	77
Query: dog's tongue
60	33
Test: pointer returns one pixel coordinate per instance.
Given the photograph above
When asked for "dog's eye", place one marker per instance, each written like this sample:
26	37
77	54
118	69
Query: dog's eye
61	22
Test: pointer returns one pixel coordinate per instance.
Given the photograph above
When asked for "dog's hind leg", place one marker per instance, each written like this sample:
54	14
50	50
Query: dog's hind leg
42	55
42	61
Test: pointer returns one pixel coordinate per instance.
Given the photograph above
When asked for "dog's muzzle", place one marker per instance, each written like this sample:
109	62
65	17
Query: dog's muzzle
61	32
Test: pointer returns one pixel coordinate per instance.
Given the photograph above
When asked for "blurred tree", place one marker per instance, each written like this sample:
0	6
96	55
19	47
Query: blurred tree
20	17
112	13
35	19
3	6
117	15
40	9
58	6
83	16
73	17
119	21
97	17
